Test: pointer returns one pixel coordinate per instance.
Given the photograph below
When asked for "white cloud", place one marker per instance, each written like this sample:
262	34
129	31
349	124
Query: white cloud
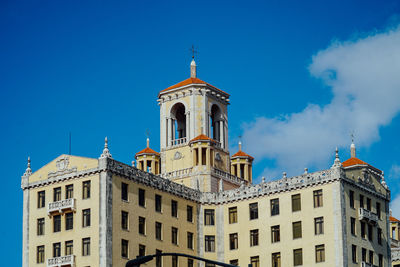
394	171
364	76
395	207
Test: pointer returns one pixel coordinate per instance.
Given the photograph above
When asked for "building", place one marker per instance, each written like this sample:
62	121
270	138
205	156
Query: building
193	197
395	240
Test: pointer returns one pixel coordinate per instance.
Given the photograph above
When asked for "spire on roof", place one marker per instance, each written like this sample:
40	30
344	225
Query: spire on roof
352	147
193	73
148	142
28	170
240	145
106	153
337	162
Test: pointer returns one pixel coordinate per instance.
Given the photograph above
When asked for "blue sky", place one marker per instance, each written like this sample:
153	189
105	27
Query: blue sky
94	68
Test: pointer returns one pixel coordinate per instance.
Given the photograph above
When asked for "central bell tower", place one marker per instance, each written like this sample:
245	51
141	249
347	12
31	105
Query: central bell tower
194	134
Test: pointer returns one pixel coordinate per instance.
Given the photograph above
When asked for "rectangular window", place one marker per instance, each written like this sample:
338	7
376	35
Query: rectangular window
209	241
40	226
379	236
363	230
275	234
378	210
40	254
174	208
189	213
57	194
296	202
275	206
380	264
174	235
354	253
353	226
142	200
319	226
371	257
86	189
56	249
69	221
69	247
234	262
41	199
254	237
142	225
361	201
86	218
297	230
158	258
297	257
142	250
174	261
209	217
190	263
209	264
253	207
158	231
158	203
233	215
364	254
189	240
124	191
255	261
233	241
124	248
276	259
351	196
320	253
124	220
86	246
56	223
370	232
69	191
318	198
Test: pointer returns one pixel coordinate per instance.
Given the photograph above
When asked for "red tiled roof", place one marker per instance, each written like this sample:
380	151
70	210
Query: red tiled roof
356	161
240	153
393	219
202	137
191	81
147	150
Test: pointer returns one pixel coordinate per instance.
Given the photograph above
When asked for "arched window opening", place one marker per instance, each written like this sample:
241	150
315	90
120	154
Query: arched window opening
217	124
178	125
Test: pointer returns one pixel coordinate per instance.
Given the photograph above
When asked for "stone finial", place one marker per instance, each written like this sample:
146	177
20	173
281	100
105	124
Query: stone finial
305	170
106	153
263	179
390	212
337	162
383	182
148	142
193	72
28	170
284	175
240	145
133	163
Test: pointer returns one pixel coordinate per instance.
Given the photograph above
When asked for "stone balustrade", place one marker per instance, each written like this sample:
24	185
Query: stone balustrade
368	216
61	206
178	173
395	254
68	260
178	142
394	243
227	176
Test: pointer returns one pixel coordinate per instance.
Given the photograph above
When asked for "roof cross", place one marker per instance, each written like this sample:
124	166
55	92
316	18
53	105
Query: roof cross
194	51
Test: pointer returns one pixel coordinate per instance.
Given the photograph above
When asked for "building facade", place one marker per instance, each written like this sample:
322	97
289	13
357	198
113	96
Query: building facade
193	197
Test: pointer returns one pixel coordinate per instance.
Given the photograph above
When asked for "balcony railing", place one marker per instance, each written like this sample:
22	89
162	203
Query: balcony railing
61	206
395	254
178	173
68	260
394	243
227	176
178	142
367	216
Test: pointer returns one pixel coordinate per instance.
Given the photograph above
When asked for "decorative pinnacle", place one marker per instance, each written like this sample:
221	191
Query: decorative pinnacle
106	153
305	170
148	142
28	170
337	162
284	175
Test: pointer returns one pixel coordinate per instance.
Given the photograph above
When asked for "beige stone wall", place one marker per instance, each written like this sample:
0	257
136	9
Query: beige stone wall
132	207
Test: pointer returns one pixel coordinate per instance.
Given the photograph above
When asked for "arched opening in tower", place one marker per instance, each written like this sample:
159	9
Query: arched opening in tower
179	121
216	122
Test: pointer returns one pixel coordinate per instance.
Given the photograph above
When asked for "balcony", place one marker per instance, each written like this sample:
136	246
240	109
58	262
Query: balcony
178	142
367	216
394	243
68	260
61	206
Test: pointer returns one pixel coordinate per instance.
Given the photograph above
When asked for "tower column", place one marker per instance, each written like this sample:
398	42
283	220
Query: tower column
169	131
208	157
246	171
153	166
200	156
221	133
233	169
187	114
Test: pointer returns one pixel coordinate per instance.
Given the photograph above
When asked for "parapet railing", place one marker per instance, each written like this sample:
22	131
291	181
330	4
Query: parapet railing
178	173
226	176
367	215
179	141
